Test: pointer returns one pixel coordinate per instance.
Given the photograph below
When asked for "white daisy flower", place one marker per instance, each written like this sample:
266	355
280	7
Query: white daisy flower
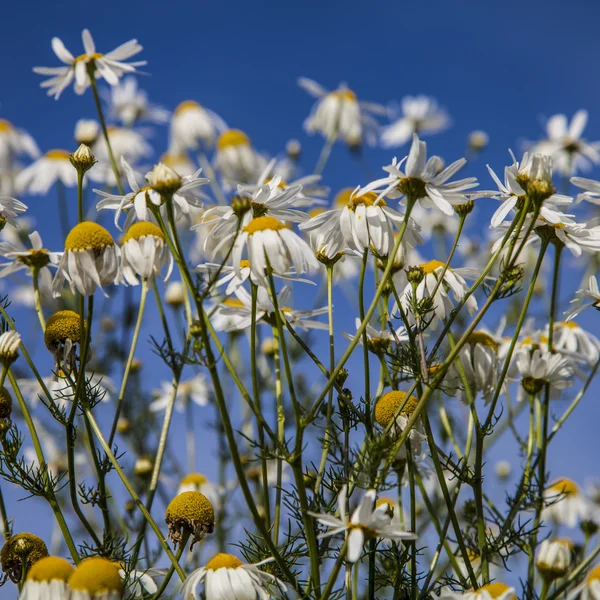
584	298
379	341
15	142
10	208
236	159
47	579
144	253
490	591
194	127
90	260
478	140
572	339
554	557
226	577
194	390
590	588
538	367
367	522
41	175
87	131
565	503
128	104
339	115
196	482
419	114
425	180
591	187
569	151
95	578
138	584
109	67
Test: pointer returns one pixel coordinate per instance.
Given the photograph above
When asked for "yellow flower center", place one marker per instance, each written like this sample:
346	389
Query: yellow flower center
191	507
49	568
594	574
569	324
315	212
234	302
479	337
431	266
174	159
368	199
88	57
58	155
223	561
35	258
194	479
263	224
344	94
387	406
96	575
282	184
142	229
88	235
343	197
5	126
565	486
232	137
62	326
185	106
497	589
244	264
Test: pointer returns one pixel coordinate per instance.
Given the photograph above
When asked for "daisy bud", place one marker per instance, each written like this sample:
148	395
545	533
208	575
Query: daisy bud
9	347
5	425
268	347
163	179
123	426
82	159
589	527
23	549
503	469
240	205
415	275
462	210
174	294
341	377
5	403
189	513
554	558
143	467
478	141
196	328
87	131
96	578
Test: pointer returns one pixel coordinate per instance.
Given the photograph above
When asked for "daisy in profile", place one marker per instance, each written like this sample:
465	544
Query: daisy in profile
194	127
367	522
137	584
380	341
226	577
47	579
338	114
15	142
538	368
554	558
419	114
590	588
563	142
424	180
189	390
41	175
235	158
10	208
491	591
584	298
565	503
575	341
90	260
129	105
110	67
95	578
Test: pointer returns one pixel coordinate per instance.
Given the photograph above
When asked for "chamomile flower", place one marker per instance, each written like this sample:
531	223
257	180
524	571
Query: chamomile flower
9	347
419	114
189	513
584	298
554	558
367	522
144	253
477	141
236	159
95	578
563	142
128	104
226	577
110	66
87	131
538	368
573	340
40	176
137	584
196	482
62	333
10	209
565	503
189	390
490	591
47	579
21	551
338	114
590	588
15	142
424	180
380	341
90	260
193	126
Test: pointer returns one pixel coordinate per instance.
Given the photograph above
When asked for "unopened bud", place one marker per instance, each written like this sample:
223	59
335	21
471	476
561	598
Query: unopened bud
415	274
82	159
462	210
478	140
240	205
174	294
9	347
163	179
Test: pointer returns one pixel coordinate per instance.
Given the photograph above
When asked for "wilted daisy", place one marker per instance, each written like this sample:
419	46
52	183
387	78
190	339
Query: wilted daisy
47	579
590	588
20	552
565	504
235	158
15	142
95	578
554	558
109	67
40	176
189	513
339	115
419	114
194	126
226	577
424	180
490	591
539	368
196	482
128	104
584	298
367	522
195	390
90	260
569	151
62	333
144	253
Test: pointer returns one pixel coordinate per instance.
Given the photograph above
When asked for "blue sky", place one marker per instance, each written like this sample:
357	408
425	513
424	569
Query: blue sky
497	66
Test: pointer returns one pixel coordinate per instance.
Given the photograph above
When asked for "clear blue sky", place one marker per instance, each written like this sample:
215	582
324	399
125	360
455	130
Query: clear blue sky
497	66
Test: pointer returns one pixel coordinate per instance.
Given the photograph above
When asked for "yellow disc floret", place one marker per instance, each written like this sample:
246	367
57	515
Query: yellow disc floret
343	197
497	589
368	199
142	229
565	486
388	405
49	568
480	337
190	513
62	326
594	574
58	155
185	106
232	137
23	548
431	266
88	235
344	94
263	224
96	576
223	561
244	264
194	479
5	126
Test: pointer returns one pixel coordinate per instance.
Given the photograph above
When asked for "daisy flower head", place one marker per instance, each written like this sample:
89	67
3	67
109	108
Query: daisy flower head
380	341
194	390
226	577
477	141
40	176
87	131
538	368
95	578
90	260
62	334
15	142
554	558
491	591
575	341
129	104
368	521
590	588
194	127
189	514
584	298
418	114
338	114
9	347
144	253
236	159
137	584
10	209
47	579
20	552
565	144
565	503
110	67
425	180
